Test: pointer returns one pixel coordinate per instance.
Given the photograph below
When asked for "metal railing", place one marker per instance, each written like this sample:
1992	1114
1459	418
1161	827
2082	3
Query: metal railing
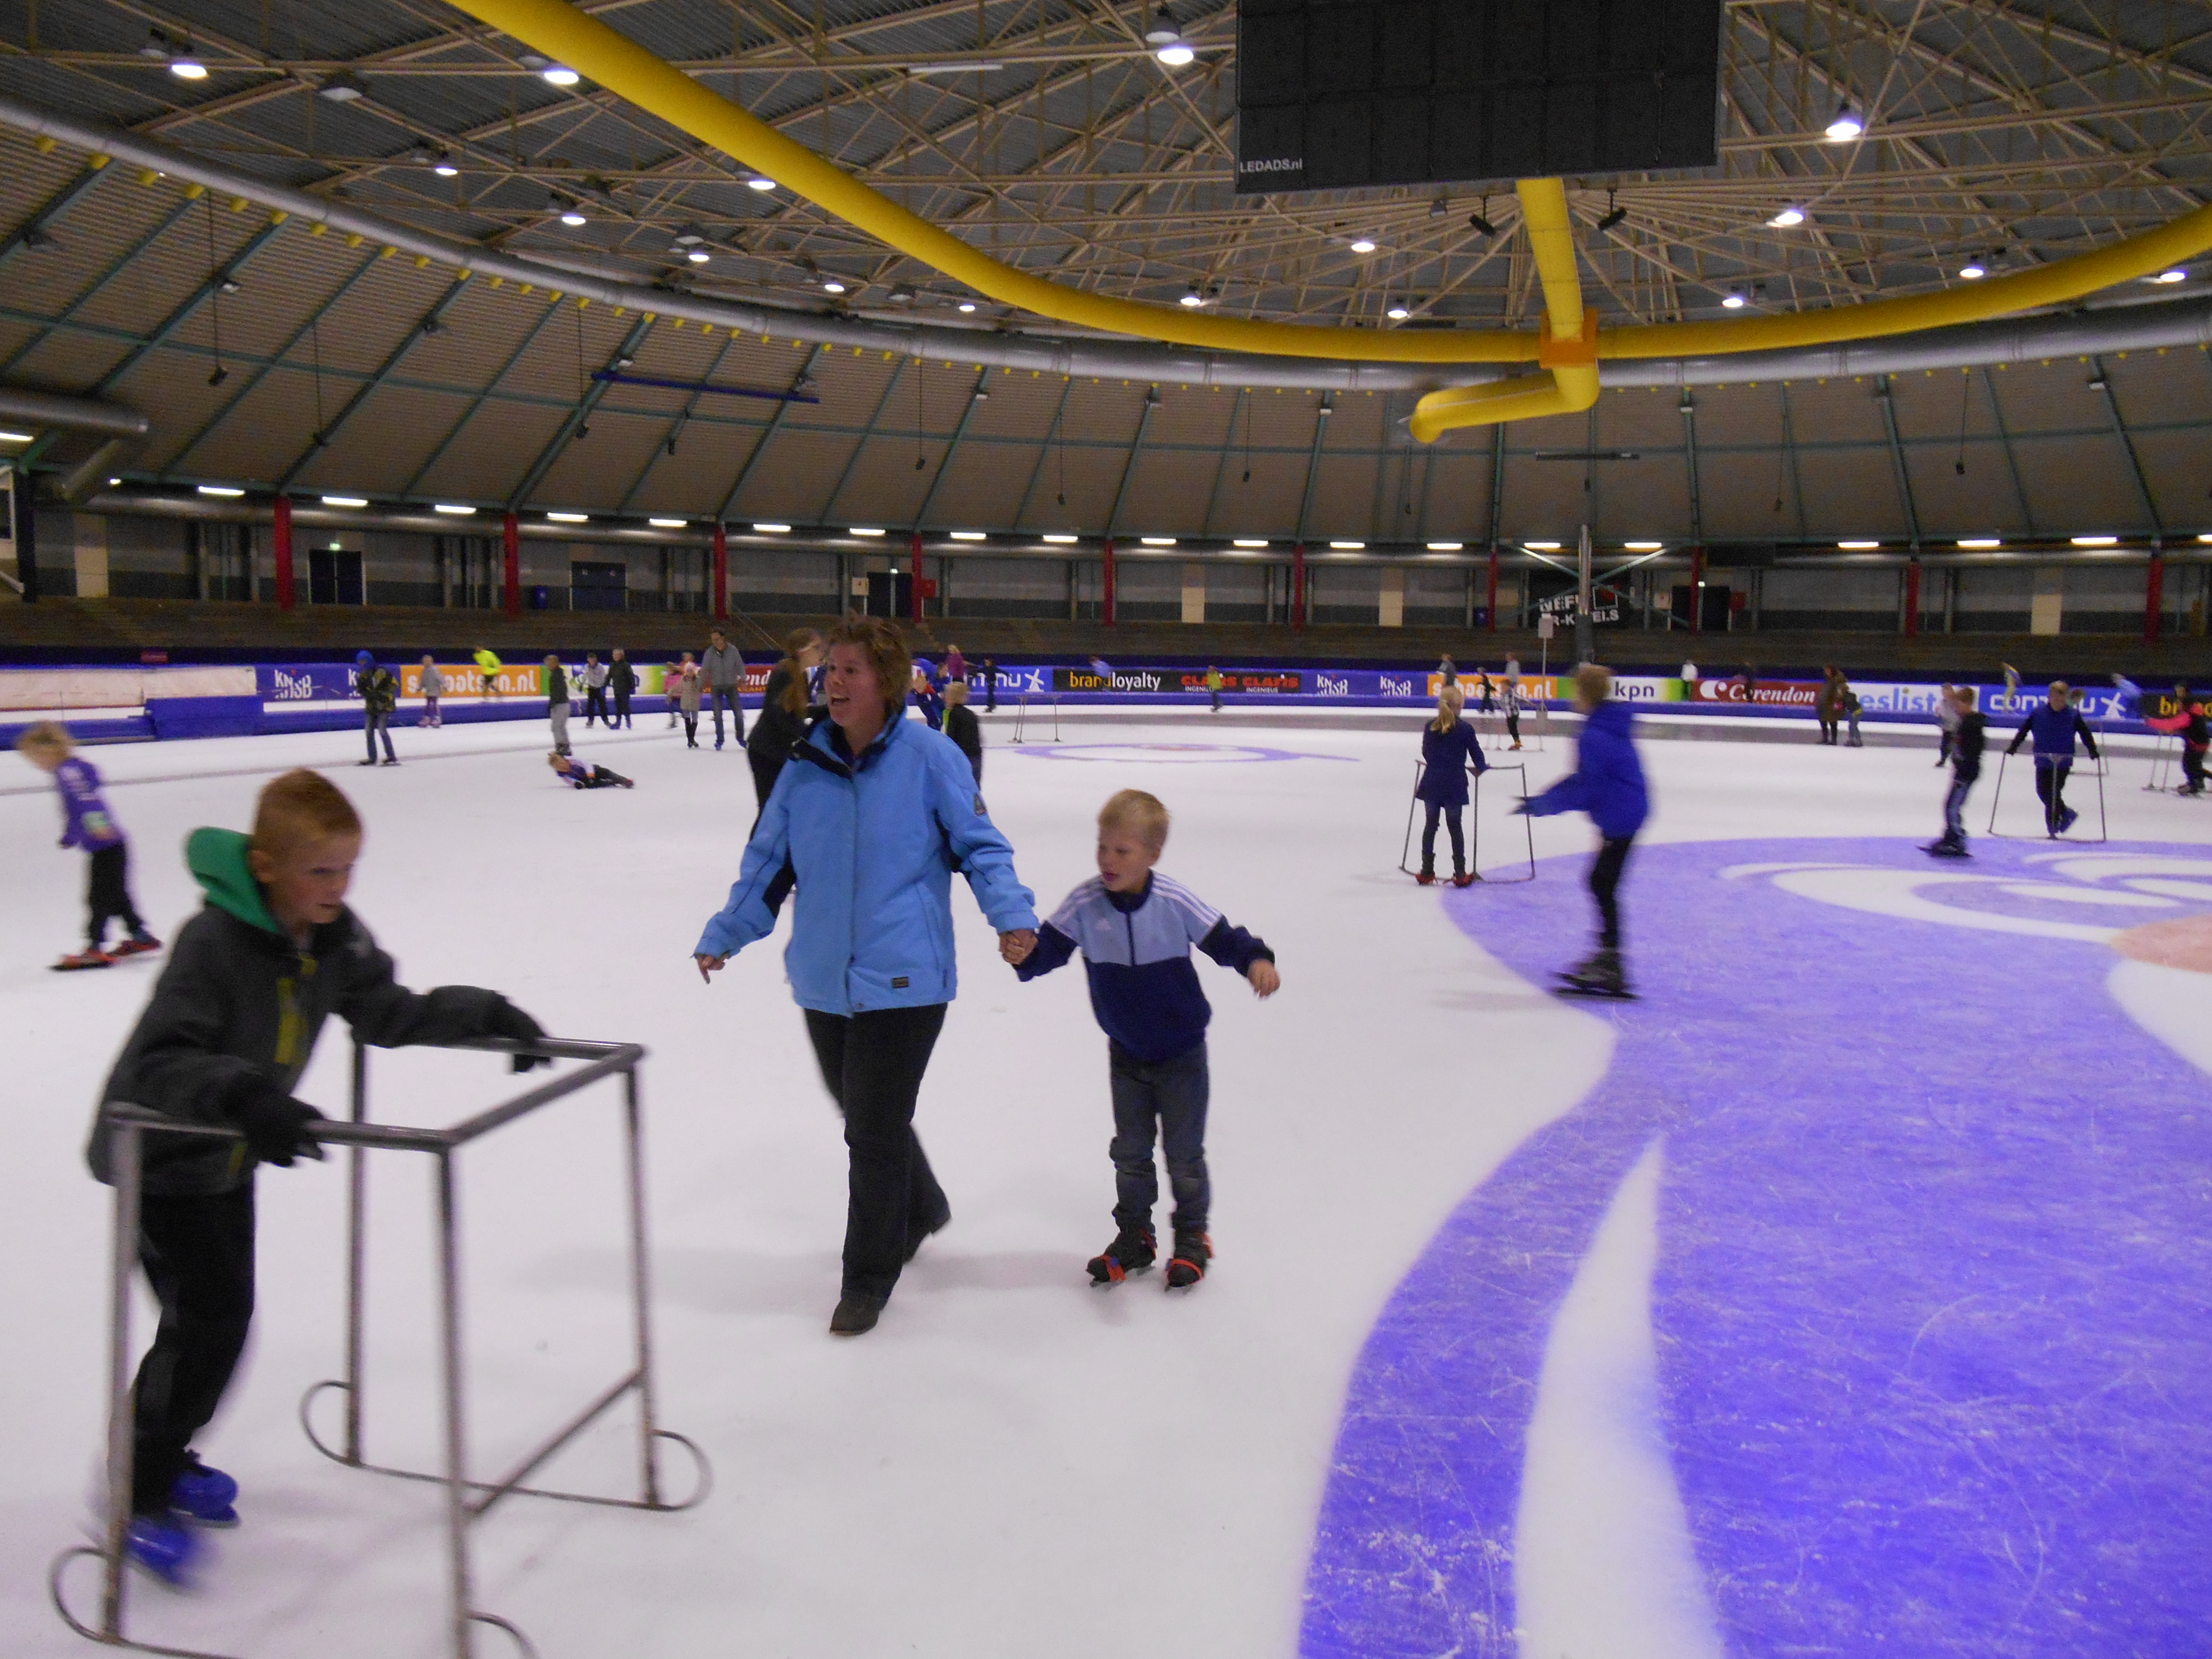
465	1499
1474	823
1043	701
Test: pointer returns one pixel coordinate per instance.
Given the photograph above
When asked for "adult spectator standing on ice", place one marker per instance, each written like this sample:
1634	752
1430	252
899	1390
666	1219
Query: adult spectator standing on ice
379	697
723	671
990	685
1828	703
622	680
870	820
556	703
595	678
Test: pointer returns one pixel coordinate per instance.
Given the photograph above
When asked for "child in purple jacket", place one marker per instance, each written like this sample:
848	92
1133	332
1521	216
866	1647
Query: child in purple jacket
87	824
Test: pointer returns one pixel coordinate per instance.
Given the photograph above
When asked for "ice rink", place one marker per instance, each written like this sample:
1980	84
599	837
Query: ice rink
1847	1294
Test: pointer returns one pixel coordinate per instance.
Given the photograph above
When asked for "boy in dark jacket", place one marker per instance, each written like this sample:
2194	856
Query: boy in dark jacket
1965	734
2054	727
1608	783
962	727
228	1031
380	699
1135	929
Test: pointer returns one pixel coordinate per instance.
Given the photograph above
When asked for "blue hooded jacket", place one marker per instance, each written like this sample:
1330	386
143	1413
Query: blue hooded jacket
1607	782
871	843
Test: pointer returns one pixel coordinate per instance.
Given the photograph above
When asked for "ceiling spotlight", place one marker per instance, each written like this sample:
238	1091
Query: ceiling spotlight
698	256
219	376
1732	302
902	294
2171	277
1175	54
1786	218
1365	245
1194	299
981	395
443	165
1398	311
689	236
1846	127
342	88
1478	221
760	182
37	236
1166	40
559	74
1971	271
831	285
227	285
187	69
966	305
1438	208
1614	213
572	214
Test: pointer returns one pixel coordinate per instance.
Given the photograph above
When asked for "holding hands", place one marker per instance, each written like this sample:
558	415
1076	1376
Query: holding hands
1017	945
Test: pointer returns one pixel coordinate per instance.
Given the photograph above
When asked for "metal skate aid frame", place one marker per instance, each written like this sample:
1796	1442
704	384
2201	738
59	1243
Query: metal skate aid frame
465	1499
1475	824
2098	770
1043	700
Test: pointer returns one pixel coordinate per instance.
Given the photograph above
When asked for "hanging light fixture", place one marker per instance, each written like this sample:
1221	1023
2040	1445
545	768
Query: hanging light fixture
1788	218
1615	213
1846	127
1166	40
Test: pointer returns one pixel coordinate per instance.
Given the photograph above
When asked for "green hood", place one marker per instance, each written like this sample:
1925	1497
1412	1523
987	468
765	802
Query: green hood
217	859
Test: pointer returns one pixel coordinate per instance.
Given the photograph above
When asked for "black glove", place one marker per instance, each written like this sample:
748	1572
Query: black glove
510	1022
278	1127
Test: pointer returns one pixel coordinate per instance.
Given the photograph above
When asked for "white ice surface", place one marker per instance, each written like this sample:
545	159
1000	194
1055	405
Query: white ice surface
1012	1464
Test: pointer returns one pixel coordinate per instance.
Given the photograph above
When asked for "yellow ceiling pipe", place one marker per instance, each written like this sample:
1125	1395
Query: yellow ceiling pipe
627	69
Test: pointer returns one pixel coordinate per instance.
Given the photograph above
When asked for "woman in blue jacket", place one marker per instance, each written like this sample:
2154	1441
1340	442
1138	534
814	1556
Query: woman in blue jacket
1447	748
870	820
1608	783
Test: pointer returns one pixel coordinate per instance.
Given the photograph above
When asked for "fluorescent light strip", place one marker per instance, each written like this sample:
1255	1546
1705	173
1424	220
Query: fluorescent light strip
1644	547
866	529
1446	547
669	524
1858	547
967	535
1348	547
1981	541
569	517
345	500
224	490
1247	541
458	510
14	437
1069	541
1541	547
1158	541
773	529
2093	541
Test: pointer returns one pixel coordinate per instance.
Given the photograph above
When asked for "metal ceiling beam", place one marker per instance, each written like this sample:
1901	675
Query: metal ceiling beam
1321	418
1130	464
1886	397
520	496
491	389
53	208
677	423
2104	384
775	425
263	370
1239	408
867	434
98	284
1689	408
976	397
1051	434
2012	458
384	371
188	307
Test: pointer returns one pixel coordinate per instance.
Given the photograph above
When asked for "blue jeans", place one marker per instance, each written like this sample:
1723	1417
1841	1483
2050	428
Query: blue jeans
1169	1094
717	701
1954	807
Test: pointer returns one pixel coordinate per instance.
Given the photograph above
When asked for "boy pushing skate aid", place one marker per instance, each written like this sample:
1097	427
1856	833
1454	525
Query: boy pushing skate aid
223	1041
1608	783
1135	928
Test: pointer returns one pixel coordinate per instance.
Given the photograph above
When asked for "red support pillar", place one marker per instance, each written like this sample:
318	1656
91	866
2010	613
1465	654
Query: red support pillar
285	592
914	580
511	535
721	574
1697	589
1106	589
2154	597
1912	598
1297	584
1490	603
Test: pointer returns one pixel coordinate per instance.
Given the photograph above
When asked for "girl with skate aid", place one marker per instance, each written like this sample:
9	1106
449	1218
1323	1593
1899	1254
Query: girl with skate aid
87	823
1608	783
1135	928
1449	747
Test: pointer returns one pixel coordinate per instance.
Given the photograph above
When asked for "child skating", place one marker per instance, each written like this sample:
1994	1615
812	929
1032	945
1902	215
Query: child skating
87	823
2054	727
1449	747
433	687
1608	783
1135	928
229	1029
586	774
1965	735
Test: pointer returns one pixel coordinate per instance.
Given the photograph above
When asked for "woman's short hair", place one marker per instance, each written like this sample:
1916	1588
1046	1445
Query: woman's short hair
301	806
885	647
1134	810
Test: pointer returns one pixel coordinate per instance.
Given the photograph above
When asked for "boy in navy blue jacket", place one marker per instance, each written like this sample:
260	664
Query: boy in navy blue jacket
1135	929
2054	727
1608	783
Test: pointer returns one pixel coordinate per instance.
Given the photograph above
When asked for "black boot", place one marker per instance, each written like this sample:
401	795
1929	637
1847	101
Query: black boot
1192	1252
1603	975
856	1315
1133	1251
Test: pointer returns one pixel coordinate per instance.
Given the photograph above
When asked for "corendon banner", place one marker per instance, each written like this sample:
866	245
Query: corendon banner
1762	694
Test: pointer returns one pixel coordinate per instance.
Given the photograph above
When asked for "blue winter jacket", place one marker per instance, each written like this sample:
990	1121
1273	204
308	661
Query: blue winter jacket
1607	782
871	845
2054	731
1447	754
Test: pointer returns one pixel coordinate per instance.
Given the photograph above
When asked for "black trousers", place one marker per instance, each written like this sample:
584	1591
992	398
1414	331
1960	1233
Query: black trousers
1605	887
595	702
621	709
1169	1095
1450	816
197	1254
871	1064
991	694
2192	770
1513	724
377	723
108	893
1829	724
2050	789
766	769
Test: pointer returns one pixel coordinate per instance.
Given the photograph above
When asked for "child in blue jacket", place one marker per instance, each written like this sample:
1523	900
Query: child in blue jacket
1135	929
2054	727
1608	783
87	823
1447	748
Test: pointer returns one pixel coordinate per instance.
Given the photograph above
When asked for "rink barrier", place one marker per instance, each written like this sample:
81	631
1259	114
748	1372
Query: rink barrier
466	1500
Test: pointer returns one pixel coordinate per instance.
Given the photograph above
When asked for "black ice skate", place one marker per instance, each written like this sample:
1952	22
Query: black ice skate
1133	1251
1945	848
1192	1252
1603	975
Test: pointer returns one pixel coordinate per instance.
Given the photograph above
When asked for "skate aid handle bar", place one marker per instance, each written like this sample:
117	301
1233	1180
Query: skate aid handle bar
606	1060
